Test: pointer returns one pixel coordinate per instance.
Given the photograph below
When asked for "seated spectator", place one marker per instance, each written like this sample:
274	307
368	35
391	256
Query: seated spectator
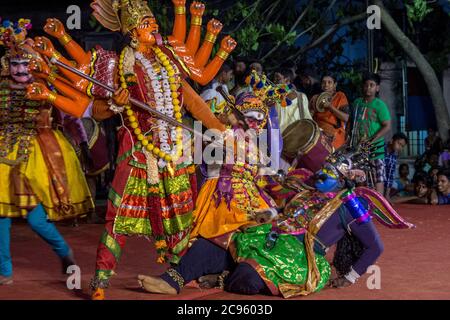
402	186
442	194
422	191
393	148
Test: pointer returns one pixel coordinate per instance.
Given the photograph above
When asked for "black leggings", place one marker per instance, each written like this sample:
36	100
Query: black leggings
204	257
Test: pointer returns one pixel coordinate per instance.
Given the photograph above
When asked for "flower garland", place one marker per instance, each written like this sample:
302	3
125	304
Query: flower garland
165	84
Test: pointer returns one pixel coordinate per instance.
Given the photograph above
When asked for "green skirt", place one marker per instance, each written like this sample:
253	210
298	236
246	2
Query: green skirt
284	265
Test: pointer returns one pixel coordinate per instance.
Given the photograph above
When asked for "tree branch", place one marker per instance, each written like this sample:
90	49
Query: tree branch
255	6
335	27
427	72
300	17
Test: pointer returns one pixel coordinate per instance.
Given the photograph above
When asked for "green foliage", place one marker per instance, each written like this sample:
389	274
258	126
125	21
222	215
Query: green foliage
417	11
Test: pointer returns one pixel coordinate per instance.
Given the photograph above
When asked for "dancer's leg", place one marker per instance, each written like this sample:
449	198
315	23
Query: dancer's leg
202	258
245	280
109	252
5	253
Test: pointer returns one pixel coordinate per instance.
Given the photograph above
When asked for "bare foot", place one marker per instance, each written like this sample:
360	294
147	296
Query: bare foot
155	285
5	280
209	281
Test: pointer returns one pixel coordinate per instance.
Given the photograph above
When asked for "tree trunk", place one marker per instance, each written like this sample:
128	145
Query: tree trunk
428	74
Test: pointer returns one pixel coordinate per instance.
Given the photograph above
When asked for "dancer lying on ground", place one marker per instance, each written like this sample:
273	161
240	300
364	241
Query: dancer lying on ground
287	256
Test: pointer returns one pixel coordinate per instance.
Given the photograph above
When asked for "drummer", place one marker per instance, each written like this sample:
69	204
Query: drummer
334	118
298	109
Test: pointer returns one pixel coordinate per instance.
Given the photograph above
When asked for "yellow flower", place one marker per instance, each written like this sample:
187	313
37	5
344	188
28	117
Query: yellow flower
161	244
161	259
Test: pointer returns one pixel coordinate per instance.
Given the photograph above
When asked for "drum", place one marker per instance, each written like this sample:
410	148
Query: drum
97	145
304	141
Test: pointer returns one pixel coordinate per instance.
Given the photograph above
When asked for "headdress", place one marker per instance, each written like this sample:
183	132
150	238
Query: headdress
121	15
13	38
268	91
249	103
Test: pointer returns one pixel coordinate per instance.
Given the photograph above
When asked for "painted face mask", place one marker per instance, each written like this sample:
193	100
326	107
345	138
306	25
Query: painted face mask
254	111
327	180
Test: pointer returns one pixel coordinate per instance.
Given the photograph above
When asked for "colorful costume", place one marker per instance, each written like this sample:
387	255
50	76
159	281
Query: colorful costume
41	177
287	256
230	197
154	188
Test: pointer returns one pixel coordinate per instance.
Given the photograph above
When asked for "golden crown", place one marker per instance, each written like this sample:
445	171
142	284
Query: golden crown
123	15
132	12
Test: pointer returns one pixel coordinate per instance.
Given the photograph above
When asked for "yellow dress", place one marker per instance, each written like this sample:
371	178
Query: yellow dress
33	174
211	221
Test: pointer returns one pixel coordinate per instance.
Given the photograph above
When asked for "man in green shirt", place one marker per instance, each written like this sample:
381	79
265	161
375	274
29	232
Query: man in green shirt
373	121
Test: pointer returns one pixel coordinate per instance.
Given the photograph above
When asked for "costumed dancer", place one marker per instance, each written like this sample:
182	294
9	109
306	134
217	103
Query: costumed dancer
154	187
231	197
41	176
287	256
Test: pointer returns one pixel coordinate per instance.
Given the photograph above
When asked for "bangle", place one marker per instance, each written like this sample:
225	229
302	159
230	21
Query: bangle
115	108
51	98
65	39
180	10
196	21
222	54
51	77
56	55
210	37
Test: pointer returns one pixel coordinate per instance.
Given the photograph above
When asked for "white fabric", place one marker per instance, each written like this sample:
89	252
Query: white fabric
210	93
292	113
352	276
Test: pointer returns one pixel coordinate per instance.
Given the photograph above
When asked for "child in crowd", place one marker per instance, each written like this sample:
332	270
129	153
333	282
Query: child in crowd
393	149
402	186
442	194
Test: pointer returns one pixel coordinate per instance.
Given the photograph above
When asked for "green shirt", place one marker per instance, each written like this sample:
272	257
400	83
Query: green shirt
369	118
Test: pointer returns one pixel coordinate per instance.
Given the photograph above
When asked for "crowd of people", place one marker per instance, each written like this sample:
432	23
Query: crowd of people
429	183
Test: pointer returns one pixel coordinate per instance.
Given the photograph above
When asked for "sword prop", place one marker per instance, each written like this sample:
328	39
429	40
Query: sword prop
135	102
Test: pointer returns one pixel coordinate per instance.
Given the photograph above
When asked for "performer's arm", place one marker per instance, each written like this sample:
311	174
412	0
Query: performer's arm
227	45
179	26
213	29
55	28
199	109
193	41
